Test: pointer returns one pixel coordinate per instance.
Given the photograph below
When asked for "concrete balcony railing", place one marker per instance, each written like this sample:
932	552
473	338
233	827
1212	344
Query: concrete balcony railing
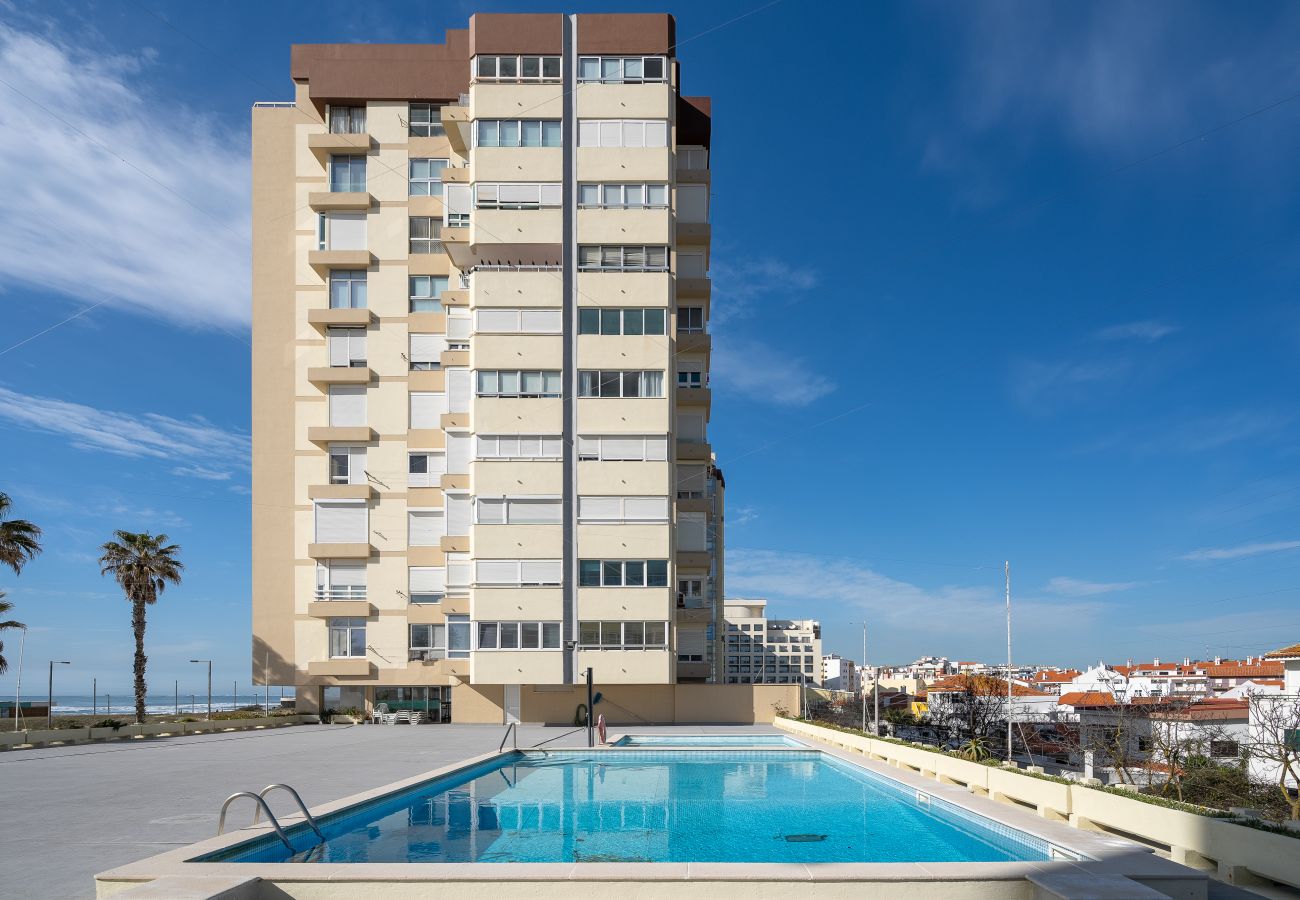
357	201
340	375
694	342
322	145
694	450
324	318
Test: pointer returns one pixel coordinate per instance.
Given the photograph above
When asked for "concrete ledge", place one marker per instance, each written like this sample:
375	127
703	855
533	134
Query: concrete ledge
347	668
352	609
56	737
197	887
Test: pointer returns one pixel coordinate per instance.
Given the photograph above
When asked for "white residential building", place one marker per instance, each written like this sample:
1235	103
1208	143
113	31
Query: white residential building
769	651
840	674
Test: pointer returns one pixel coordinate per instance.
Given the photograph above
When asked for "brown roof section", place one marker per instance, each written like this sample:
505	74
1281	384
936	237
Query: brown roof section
1056	677
384	71
1087	698
507	33
1262	670
694	120
984	685
1285	653
648	33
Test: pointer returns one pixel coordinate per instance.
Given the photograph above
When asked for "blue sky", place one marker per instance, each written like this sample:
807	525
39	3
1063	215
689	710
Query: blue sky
992	281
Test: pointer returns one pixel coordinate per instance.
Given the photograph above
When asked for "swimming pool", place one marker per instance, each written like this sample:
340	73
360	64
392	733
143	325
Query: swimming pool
748	806
707	740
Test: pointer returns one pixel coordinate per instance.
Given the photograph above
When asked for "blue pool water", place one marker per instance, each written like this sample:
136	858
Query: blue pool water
707	740
653	806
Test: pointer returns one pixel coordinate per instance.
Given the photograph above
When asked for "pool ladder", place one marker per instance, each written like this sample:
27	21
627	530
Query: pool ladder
260	800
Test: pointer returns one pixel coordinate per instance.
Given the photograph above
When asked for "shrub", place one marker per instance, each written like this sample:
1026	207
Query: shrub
108	723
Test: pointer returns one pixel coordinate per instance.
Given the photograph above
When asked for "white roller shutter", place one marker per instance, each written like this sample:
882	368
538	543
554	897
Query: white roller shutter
656	447
690	265
690	478
347	231
588	447
692	203
496	571
427	348
427	410
346	346
541	321
690	642
589	133
541	571
458	327
460	447
645	509
357	465
425	527
457	506
426	580
504	320
552	194
552	447
690	531
656	134
459	199
460	387
458	570
690	427
490	511
347	405
342	523
624	448
519	193
534	512
600	509
344	575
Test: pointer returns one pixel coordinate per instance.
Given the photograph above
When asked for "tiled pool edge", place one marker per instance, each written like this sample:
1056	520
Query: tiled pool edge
322	880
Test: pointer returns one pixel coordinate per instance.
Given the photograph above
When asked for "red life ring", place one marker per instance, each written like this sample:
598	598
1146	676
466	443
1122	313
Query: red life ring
600	726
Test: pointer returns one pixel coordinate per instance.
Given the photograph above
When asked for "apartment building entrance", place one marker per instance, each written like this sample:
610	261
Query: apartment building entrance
433	701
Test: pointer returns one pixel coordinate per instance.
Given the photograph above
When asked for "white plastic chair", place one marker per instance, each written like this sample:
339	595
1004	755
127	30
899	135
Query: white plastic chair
379	713
416	717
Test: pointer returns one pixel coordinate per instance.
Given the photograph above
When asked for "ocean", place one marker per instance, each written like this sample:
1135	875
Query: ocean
155	704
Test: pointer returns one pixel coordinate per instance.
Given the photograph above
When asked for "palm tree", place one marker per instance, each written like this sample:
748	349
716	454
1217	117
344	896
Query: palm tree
5	606
20	540
142	564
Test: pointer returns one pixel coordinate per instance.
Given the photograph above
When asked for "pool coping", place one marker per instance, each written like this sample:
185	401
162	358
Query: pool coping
1103	854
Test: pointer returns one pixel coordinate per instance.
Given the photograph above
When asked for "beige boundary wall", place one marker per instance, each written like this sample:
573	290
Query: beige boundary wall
57	736
1239	854
630	704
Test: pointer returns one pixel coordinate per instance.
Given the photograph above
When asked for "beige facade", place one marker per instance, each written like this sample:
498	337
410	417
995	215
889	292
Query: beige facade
480	377
760	650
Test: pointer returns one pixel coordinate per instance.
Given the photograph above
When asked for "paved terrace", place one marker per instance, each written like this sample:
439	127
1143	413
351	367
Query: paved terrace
71	812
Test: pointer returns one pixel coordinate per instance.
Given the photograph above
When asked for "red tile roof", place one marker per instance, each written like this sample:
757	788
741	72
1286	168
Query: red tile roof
1262	669
982	684
1087	698
1056	677
1284	653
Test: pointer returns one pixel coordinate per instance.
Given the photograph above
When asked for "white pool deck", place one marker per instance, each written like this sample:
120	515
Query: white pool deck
396	761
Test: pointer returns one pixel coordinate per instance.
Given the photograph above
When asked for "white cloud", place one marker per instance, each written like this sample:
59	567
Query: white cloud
1239	551
195	444
1041	386
1147	330
1196	434
736	287
164	233
741	515
766	374
1075	587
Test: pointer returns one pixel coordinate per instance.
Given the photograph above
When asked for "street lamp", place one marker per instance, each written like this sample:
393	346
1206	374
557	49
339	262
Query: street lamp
49	708
209	662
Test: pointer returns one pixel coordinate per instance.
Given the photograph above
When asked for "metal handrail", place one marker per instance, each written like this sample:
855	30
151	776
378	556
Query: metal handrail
297	799
221	821
510	729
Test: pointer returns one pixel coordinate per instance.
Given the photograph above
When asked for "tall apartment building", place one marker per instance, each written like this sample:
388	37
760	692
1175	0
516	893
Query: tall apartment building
480	372
769	651
840	674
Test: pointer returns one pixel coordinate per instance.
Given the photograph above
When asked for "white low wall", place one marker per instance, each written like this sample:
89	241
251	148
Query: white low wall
56	736
1240	854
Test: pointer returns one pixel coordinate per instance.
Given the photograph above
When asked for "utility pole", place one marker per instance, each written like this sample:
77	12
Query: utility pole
94	696
591	718
49	708
875	692
1009	695
862	684
18	689
209	662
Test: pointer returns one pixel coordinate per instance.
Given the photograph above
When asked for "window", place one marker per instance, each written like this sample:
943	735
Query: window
519	446
347	637
427	409
517	133
426	177
512	195
622	509
425	235
347	406
622	635
425	120
426	584
425	527
622	69
456	210
691	377
426	292
691	265
600	320
347	119
336	580
347	465
1222	749
622	133
620	447
691	482
592	258
691	532
620	384
517	511
425	468
623	196
690	428
690	589
690	320
623	573
458	637
341	231
518	572
519	321
347	173
426	352
511	383
347	347
516	68
692	204
347	289
518	635
428	641
690	645
689	158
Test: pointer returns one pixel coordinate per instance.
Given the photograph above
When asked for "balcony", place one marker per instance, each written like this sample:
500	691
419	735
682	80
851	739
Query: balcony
693	288
357	201
342	434
426	656
694	342
693	671
693	559
455	298
339	551
456	242
324	318
693	232
694	615
694	504
694	396
340	492
328	609
340	259
694	450
322	145
358	667
340	375
457	121
456	175
692	176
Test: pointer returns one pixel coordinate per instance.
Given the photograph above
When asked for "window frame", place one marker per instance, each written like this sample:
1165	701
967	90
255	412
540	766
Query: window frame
544	628
624	257
549	133
603	626
600	565
349	278
602	315
424	244
348	629
545	61
434	125
348	163
436	285
622	77
555	440
351	119
554	390
595	384
431	183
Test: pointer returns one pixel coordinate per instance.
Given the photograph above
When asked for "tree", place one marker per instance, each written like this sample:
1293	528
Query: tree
1275	744
143	565
5	606
970	706
20	540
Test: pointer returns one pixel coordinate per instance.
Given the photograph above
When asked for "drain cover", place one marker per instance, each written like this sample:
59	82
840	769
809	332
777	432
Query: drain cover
804	838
